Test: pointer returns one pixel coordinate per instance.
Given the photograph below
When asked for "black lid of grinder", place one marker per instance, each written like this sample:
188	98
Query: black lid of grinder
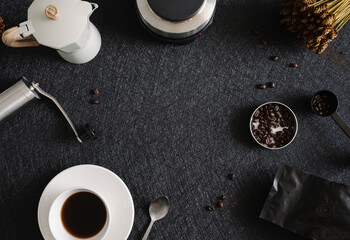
176	10
169	20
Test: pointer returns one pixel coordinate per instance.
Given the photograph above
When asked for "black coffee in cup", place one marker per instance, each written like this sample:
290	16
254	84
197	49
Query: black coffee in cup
83	215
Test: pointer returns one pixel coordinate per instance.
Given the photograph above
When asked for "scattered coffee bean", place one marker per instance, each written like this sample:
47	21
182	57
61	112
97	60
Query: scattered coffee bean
95	101
274	58
224	197
256	32
321	104
220	205
263	42
210	208
2	26
96	91
261	86
294	65
276	125
231	176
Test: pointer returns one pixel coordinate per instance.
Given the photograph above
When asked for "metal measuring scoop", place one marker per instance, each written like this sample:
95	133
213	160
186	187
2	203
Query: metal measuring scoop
157	210
332	100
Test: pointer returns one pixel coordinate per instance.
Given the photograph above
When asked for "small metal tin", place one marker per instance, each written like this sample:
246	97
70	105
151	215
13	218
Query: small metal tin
295	119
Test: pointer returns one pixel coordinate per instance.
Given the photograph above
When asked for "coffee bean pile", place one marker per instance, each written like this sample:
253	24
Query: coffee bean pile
220	204
321	104
2	26
266	121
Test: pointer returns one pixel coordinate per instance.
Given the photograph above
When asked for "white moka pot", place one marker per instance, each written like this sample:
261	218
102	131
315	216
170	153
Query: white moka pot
63	25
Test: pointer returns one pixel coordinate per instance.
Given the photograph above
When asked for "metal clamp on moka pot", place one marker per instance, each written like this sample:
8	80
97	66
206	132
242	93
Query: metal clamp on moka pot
23	92
180	21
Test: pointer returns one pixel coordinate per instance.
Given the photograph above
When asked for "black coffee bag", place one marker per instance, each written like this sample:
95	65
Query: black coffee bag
308	205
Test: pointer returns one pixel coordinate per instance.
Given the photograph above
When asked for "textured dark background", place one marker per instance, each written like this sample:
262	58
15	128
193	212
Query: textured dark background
173	119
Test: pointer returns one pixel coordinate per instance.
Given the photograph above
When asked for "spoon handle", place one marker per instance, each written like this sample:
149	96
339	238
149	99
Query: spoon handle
148	231
342	124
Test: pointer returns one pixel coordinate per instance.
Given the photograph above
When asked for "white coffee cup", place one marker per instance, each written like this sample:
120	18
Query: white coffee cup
55	221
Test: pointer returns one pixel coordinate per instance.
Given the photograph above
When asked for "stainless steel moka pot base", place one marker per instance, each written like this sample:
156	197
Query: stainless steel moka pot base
178	21
23	92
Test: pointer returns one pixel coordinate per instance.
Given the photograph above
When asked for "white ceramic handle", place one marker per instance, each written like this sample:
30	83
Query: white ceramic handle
94	7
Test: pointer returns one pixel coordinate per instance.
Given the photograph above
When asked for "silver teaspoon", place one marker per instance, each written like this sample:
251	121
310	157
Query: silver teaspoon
157	210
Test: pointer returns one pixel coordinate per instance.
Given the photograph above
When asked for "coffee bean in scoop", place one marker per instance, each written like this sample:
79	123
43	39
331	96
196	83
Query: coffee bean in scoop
220	205
321	104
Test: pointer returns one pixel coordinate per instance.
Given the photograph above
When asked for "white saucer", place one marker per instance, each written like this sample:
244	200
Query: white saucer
98	179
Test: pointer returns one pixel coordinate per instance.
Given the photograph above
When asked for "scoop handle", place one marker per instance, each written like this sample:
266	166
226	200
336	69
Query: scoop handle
148	230
341	123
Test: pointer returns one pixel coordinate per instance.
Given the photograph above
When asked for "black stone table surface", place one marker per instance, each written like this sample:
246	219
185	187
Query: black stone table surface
173	119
